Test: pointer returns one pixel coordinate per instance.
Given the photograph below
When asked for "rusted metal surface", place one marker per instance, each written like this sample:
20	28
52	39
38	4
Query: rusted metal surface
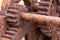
13	33
12	17
3	24
22	20
41	18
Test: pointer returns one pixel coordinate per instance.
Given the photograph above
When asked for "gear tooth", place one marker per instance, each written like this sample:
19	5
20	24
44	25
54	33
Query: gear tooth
10	33
44	7
12	16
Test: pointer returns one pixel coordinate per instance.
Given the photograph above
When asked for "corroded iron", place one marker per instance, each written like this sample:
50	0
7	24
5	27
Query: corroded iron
41	18
22	20
3	24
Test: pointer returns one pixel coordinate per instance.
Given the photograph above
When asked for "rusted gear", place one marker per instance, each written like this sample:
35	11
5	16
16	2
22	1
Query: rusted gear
45	6
13	20
45	9
13	15
16	33
3	24
56	35
11	34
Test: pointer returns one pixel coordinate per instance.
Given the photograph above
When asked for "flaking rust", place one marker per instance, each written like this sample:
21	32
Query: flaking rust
34	20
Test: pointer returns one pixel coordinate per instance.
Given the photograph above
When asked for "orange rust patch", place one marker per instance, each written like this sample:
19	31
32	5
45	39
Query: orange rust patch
5	3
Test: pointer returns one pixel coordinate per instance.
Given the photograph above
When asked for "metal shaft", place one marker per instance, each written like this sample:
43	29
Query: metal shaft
41	18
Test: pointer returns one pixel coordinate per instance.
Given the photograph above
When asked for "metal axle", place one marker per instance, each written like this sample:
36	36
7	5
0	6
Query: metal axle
41	18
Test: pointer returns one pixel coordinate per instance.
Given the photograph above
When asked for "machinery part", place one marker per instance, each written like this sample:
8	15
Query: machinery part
28	3
13	16
13	19
45	7
48	7
29	28
41	18
14	33
33	4
53	9
49	20
57	28
11	33
3	24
